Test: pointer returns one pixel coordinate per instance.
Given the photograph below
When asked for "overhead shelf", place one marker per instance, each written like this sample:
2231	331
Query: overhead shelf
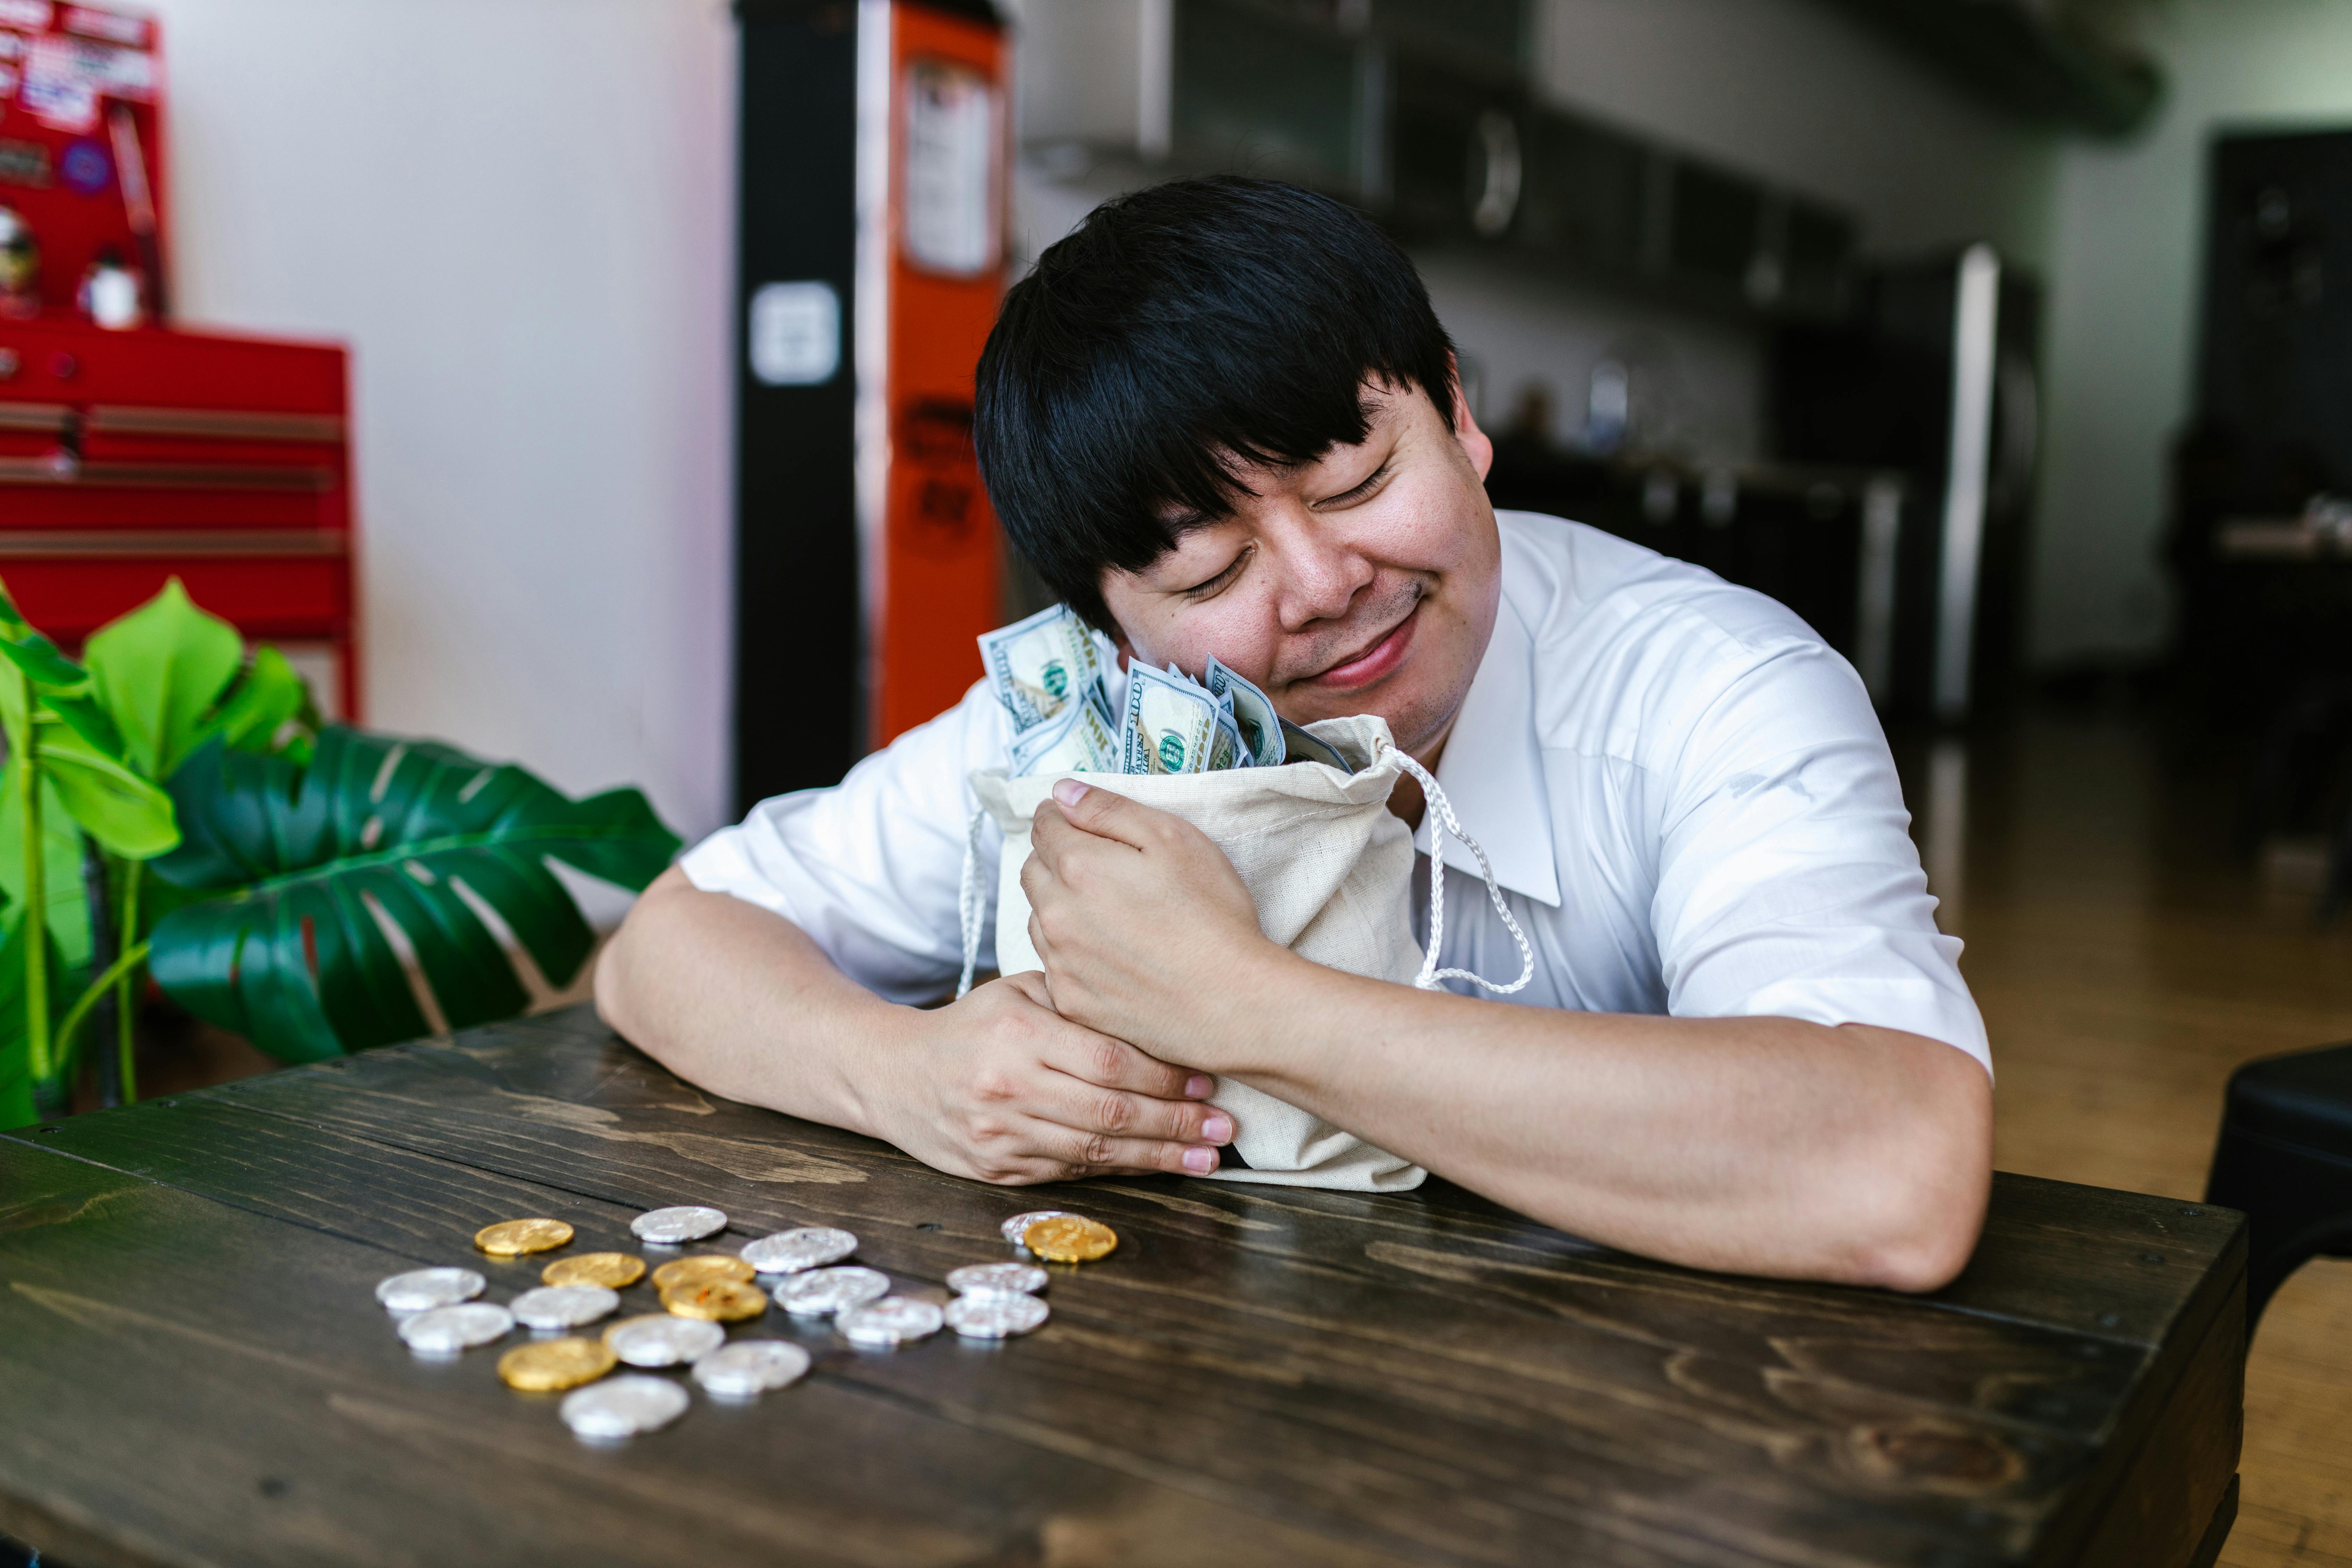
2024	58
1420	112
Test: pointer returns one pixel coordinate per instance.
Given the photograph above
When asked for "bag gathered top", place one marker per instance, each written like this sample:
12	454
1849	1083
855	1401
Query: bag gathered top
1331	869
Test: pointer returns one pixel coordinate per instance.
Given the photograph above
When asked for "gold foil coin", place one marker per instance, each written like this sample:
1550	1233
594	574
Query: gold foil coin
702	1271
549	1364
1068	1238
512	1239
612	1271
716	1301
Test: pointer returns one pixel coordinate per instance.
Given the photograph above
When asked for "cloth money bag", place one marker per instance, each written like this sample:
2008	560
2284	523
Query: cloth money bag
1331	870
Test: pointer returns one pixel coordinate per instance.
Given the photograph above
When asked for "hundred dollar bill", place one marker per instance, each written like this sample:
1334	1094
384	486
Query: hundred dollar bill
1230	751
1040	664
1254	714
1301	746
1172	725
1078	740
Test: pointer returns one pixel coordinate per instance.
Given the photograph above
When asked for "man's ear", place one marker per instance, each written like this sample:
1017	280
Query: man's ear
1476	445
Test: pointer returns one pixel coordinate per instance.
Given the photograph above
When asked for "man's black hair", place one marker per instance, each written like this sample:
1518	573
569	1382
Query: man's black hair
1175	330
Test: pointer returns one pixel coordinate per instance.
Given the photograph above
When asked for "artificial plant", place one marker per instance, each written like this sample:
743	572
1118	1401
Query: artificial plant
82	808
317	890
385	890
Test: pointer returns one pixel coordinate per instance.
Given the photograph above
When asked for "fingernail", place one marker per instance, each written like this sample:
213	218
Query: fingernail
1069	791
1200	1162
1199	1086
1218	1129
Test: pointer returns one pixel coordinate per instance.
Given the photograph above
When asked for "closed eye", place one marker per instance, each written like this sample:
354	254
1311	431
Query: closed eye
1223	580
1362	492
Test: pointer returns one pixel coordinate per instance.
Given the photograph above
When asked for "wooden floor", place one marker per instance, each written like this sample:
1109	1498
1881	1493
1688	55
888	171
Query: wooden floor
2125	963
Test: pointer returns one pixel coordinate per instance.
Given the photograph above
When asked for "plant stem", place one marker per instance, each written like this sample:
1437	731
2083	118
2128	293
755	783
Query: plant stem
126	1020
36	914
97	988
96	874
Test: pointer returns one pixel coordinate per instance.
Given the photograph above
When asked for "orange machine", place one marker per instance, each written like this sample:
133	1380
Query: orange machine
874	212
934	583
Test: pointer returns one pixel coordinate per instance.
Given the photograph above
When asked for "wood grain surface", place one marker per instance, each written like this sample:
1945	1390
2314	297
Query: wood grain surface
194	1368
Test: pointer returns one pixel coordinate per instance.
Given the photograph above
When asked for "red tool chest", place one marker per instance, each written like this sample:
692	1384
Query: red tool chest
127	458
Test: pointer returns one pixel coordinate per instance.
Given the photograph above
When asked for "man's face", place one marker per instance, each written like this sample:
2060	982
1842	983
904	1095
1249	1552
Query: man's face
1365	582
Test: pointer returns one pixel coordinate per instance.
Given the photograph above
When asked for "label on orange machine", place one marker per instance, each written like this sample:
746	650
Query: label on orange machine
932	564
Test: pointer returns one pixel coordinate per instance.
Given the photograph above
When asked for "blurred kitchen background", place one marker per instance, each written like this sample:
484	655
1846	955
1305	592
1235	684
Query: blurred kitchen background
2009	342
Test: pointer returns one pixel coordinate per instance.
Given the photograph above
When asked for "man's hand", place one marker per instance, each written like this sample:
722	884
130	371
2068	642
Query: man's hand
1000	1087
1144	926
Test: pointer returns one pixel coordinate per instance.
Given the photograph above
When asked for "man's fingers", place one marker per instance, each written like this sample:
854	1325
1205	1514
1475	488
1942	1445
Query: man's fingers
1053	839
1097	1154
1030	982
1104	813
1114	1064
1115	1113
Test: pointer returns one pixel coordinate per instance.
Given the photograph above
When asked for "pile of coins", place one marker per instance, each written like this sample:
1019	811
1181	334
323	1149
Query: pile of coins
437	1315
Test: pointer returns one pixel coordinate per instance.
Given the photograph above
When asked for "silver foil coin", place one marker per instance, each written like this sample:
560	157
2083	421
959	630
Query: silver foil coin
422	1290
622	1407
821	1292
663	1340
892	1321
676	1227
445	1331
997	1279
995	1317
751	1367
1019	1224
563	1306
790	1251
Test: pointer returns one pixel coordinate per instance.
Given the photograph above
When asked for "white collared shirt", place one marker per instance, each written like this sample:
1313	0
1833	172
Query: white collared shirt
1683	793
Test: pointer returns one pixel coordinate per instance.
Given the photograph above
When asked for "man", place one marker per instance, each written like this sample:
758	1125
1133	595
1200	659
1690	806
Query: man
1221	418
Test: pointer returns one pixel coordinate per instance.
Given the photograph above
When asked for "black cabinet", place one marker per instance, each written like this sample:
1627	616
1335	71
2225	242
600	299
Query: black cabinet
1936	378
2276	387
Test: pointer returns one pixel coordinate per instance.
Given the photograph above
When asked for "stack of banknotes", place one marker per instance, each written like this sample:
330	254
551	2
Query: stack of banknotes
1050	674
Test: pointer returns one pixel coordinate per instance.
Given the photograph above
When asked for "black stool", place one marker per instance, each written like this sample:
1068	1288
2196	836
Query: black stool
2286	1157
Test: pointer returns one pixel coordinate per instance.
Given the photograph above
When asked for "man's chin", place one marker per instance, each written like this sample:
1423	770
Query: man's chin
1415	720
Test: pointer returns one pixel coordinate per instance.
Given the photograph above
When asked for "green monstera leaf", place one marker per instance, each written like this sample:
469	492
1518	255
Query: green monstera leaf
380	845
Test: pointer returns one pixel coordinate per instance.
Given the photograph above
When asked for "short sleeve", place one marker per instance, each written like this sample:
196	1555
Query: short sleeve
872	868
1788	882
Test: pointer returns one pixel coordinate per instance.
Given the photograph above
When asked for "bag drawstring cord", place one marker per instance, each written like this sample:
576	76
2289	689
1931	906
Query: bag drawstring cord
1441	819
968	901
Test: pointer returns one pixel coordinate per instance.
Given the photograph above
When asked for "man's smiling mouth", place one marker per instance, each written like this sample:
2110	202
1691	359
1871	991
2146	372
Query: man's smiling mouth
1376	658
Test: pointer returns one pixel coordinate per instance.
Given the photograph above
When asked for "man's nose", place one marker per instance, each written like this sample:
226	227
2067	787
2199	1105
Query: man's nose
1321	575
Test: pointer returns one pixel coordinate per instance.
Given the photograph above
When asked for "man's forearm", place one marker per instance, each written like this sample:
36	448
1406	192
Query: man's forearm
994	1085
744	1003
1764	1145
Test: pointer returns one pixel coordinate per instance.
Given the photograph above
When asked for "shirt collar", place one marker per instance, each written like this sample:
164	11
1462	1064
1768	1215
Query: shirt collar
1492	770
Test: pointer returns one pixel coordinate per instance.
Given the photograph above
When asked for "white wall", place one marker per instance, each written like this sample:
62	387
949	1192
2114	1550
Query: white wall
518	213
2123	326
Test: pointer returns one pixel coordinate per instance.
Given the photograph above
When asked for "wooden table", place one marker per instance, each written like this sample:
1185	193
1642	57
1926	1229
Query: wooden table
194	1368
